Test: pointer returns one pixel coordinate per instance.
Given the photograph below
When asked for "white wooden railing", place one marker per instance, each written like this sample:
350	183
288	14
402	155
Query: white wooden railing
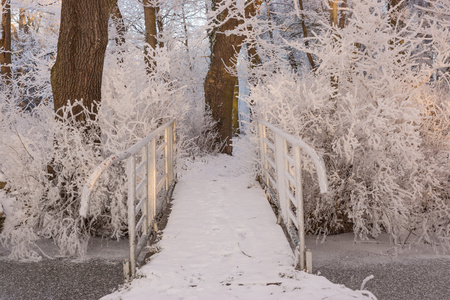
281	176
151	179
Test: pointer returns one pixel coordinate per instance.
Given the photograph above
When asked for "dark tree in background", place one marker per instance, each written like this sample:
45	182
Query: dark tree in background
117	18
396	7
5	41
150	12
83	37
219	83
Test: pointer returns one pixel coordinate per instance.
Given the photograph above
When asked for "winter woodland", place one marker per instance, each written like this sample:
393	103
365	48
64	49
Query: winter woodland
365	82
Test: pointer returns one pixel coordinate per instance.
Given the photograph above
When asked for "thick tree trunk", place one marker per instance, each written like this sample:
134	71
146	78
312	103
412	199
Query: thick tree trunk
5	42
219	83
150	12
83	37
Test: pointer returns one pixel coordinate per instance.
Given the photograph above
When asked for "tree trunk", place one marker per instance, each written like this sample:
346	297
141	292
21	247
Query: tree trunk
337	22
344	15
117	18
23	23
150	34
186	35
337	19
23	29
219	83
5	42
333	12
83	37
305	36
395	8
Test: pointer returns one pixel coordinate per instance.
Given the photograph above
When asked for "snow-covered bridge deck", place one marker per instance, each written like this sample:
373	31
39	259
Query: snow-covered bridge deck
222	242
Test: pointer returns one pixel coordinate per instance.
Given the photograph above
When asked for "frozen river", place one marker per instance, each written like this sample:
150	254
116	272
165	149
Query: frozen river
407	280
92	277
59	279
412	275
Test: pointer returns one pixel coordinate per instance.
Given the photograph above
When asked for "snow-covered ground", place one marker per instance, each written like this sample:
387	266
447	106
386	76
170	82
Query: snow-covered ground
222	242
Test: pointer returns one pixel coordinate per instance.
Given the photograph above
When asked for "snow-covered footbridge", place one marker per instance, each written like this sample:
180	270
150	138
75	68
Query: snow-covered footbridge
222	240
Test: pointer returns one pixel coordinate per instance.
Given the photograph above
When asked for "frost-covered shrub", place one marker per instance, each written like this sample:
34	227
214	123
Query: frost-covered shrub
377	110
44	162
136	102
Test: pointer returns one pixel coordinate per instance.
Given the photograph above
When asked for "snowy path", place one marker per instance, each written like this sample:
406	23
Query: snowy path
222	242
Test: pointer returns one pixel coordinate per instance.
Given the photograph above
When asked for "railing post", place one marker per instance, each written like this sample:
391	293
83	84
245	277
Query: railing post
145	209
152	182
172	150
261	148
263	153
280	148
131	216
300	210
170	155
168	137
166	157
308	256
126	270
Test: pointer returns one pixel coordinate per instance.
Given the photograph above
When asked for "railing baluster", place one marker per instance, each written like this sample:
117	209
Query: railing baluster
263	150
166	156
147	192
131	215
152	182
280	164
300	212
262	153
285	183
173	151
170	159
